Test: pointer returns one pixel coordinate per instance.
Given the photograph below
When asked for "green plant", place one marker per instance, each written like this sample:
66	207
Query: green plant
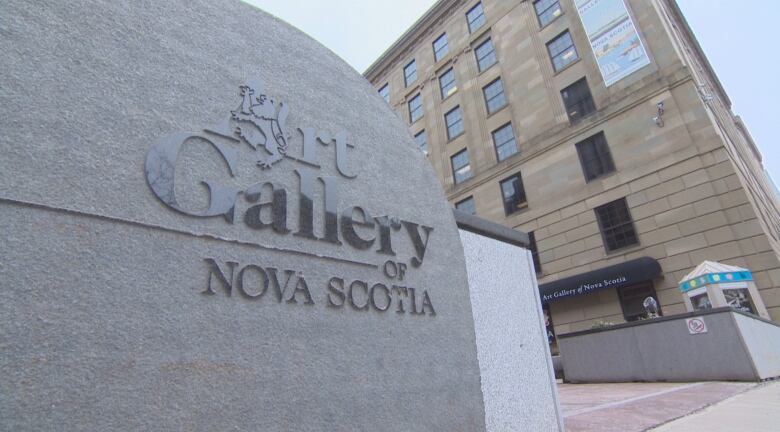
600	324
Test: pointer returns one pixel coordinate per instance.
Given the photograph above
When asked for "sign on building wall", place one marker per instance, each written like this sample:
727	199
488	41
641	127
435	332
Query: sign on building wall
696	325
613	38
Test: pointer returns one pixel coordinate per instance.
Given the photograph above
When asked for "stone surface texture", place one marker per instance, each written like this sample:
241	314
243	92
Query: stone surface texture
518	382
102	322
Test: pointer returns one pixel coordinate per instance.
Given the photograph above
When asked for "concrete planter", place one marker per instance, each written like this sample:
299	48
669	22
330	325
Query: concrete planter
731	346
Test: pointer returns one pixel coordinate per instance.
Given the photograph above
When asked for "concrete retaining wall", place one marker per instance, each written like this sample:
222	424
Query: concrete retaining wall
735	346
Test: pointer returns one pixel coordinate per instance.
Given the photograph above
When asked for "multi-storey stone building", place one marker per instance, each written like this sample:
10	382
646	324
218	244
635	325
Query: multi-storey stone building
598	127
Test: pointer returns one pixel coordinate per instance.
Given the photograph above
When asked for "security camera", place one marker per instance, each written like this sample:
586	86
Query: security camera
659	119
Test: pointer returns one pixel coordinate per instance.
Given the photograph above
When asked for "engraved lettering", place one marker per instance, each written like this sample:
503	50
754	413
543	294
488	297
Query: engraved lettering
336	296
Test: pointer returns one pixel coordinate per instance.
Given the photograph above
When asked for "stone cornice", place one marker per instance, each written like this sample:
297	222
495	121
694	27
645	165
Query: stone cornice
678	15
411	37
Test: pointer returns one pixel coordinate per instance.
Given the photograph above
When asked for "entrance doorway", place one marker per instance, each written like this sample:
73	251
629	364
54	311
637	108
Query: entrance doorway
632	300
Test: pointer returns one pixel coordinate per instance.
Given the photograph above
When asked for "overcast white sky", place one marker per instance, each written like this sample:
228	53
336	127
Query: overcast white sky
736	36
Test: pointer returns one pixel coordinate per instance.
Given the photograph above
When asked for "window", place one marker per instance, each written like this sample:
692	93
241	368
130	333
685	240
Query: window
385	92
461	170
616	225
547	11
410	73
513	193
415	108
447	83
504	141
632	300
454	121
467	206
534	252
494	96
476	17
440	47
578	100
486	55
562	51
594	156
422	142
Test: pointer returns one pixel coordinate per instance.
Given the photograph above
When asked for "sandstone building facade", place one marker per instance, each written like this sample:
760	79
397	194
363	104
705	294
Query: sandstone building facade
616	151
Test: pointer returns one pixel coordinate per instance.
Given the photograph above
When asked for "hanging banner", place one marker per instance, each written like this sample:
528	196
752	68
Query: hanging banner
613	38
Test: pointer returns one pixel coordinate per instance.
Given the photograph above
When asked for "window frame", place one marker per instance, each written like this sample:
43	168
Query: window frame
425	139
496	145
488	40
591	105
468	164
603	153
517	206
454	83
553	57
451	137
437	54
469	198
469	21
602	229
420	108
539	14
407	81
385	88
487	101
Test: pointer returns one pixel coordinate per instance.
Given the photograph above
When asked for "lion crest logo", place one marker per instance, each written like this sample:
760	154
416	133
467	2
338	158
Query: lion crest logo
261	122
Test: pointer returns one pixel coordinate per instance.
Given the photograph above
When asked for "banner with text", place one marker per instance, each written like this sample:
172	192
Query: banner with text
613	38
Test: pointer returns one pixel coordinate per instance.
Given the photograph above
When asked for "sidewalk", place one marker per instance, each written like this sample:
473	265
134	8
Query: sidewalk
756	410
637	407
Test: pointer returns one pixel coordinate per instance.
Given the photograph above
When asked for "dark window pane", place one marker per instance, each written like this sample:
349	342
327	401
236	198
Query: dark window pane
410	73
486	55
562	51
617	228
632	300
440	47
415	108
467	206
461	170
422	141
475	17
547	11
534	252
504	141
595	157
454	122
494	96
513	193
385	92
577	100
447	83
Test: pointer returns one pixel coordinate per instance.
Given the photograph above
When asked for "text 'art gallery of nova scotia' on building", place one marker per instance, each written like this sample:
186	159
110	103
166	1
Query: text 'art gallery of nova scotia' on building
599	128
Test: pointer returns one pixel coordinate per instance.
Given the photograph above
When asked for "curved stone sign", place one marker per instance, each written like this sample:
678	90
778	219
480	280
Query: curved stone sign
210	222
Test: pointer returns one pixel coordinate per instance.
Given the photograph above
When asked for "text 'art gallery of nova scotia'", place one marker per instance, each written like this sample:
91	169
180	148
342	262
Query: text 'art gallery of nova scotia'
599	128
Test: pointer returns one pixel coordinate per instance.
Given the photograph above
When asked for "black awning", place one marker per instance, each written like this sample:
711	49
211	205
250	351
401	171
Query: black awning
614	276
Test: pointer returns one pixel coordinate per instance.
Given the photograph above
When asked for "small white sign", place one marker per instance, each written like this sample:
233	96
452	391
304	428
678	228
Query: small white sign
696	325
